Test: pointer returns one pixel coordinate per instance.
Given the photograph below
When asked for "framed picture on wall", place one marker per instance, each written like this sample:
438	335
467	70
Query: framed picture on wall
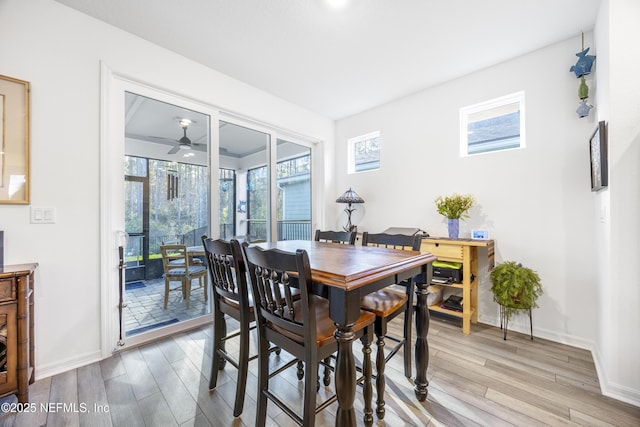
598	155
14	141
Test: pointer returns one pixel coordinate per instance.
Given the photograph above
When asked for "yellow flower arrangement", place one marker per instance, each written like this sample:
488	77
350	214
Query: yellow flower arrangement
455	206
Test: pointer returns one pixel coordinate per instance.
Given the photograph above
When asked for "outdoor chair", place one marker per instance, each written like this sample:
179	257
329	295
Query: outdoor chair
181	271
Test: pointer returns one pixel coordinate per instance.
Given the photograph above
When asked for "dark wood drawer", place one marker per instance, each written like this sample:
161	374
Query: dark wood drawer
7	290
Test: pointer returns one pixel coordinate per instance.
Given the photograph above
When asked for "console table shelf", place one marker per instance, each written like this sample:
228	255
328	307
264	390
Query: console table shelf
17	367
464	251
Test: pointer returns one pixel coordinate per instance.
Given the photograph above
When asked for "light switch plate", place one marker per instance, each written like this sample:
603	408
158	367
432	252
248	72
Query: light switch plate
43	215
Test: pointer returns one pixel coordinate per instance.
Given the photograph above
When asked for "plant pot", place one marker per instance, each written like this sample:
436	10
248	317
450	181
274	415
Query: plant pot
454	229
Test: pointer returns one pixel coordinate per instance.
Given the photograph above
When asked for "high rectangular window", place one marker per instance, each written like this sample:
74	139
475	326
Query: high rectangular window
493	125
364	152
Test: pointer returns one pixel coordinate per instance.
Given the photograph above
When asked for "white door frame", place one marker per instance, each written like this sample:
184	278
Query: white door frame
113	87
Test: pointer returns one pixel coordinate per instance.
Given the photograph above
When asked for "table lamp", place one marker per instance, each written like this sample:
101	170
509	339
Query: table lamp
349	197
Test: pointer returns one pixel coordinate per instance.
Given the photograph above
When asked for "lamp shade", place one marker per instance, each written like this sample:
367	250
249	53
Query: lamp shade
349	196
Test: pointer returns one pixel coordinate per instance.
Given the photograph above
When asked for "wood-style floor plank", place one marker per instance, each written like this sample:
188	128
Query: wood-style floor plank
475	380
180	402
39	393
123	405
93	395
63	403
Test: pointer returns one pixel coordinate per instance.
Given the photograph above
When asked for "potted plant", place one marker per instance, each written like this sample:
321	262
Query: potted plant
454	207
514	287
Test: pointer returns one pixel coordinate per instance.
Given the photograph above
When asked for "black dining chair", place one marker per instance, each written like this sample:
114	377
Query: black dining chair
344	237
231	297
301	327
387	304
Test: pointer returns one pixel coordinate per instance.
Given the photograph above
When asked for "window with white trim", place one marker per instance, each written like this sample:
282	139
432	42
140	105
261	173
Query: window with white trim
364	152
493	125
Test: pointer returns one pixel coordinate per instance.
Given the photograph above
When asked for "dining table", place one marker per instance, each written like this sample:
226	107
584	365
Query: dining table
348	272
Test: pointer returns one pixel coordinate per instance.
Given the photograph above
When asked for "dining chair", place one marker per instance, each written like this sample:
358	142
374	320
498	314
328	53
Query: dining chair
387	304
301	327
341	237
181	271
344	237
231	297
180	261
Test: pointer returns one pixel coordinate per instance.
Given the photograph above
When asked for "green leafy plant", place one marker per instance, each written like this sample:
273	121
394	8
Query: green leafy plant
455	206
515	287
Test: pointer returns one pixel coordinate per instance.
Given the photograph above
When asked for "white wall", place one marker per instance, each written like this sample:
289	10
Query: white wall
618	340
59	50
536	202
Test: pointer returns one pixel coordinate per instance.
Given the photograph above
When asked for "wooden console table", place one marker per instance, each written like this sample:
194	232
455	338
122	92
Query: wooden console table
464	251
16	330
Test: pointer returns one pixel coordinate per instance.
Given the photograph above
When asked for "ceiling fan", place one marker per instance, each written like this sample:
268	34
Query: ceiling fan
184	143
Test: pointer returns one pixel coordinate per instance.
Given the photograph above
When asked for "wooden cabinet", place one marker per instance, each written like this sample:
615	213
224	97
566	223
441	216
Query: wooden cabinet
464	251
16	330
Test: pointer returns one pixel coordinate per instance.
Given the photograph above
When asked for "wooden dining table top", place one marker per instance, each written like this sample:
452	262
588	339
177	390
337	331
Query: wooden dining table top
349	266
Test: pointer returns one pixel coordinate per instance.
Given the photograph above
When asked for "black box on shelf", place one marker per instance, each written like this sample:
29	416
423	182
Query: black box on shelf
454	302
449	272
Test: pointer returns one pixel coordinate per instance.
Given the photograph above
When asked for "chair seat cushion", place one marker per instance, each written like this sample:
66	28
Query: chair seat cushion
180	261
196	269
325	327
384	302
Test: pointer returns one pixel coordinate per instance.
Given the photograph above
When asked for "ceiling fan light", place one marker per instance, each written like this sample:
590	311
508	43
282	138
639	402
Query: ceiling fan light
185	122
185	147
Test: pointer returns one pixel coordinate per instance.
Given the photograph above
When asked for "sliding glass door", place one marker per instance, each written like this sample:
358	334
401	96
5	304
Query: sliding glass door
172	170
293	201
254	160
167	186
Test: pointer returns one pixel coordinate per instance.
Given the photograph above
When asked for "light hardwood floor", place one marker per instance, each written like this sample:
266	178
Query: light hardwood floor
475	380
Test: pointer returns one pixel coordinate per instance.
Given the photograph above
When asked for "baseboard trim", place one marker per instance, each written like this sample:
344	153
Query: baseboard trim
46	371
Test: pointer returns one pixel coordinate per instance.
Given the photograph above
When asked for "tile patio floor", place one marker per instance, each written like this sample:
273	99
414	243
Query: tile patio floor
145	305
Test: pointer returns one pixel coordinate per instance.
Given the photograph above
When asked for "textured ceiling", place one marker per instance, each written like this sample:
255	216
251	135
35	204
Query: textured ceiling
339	62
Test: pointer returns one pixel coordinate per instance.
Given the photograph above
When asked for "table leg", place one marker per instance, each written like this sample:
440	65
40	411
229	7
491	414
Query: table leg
422	346
345	376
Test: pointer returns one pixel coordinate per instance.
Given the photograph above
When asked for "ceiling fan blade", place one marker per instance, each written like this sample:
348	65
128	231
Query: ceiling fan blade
161	137
174	150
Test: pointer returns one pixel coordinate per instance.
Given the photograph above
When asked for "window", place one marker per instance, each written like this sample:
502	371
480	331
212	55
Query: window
493	125
293	201
364	152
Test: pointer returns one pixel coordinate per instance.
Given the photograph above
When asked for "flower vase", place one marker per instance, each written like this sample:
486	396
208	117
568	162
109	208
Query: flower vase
454	228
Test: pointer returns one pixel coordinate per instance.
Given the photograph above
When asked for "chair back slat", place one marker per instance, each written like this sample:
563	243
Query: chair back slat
344	237
174	259
273	274
227	273
392	241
